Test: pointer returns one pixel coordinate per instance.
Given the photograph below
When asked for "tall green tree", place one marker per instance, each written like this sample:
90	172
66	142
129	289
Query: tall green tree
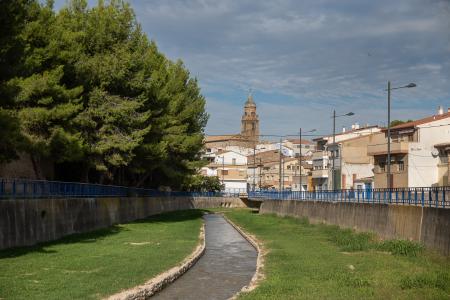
45	106
92	93
13	18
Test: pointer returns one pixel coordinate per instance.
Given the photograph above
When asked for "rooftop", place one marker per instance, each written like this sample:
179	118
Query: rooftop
421	121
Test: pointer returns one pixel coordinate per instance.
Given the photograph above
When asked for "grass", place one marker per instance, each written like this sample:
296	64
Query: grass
100	263
308	261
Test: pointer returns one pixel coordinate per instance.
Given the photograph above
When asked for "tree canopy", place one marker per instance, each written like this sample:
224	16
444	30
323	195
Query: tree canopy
89	92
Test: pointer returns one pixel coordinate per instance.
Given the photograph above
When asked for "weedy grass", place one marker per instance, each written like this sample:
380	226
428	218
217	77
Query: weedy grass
308	261
99	263
439	280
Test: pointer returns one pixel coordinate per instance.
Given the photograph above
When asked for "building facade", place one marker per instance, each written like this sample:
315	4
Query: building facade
418	153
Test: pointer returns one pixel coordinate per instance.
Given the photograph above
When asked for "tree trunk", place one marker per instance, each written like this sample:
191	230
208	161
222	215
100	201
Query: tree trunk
142	180
36	167
85	175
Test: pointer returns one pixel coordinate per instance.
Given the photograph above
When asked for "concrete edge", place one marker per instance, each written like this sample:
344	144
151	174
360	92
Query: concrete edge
162	280
261	250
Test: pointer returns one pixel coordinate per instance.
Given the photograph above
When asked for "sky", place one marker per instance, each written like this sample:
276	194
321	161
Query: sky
304	59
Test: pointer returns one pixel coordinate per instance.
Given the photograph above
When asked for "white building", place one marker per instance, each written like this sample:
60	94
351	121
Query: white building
415	155
231	168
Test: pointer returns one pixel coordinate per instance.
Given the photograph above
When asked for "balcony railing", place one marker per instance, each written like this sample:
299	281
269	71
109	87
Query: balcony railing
380	149
321	173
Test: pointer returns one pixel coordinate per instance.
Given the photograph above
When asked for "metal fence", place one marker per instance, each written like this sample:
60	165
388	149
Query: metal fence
24	188
422	196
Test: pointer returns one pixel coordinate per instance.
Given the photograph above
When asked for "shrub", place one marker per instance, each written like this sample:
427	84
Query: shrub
349	240
401	247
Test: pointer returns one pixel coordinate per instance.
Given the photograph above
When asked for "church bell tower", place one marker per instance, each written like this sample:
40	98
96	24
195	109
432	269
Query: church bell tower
250	121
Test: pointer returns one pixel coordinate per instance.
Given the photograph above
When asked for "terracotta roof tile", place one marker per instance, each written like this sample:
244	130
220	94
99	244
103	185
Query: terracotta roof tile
421	121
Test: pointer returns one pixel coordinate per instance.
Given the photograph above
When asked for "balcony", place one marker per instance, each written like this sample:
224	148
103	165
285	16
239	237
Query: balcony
396	148
323	173
320	155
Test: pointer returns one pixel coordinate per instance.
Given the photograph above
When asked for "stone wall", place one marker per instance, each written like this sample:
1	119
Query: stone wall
25	222
430	226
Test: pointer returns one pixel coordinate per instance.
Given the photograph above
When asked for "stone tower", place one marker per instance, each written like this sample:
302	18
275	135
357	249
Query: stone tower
250	122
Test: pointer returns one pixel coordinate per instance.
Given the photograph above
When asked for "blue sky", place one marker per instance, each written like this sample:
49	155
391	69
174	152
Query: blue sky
302	59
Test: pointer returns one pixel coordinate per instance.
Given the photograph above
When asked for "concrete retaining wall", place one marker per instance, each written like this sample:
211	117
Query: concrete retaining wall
25	222
430	226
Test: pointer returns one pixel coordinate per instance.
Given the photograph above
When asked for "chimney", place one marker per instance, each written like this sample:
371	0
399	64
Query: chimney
440	110
343	129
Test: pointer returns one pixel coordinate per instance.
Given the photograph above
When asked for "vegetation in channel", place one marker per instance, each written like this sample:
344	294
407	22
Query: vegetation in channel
100	263
317	261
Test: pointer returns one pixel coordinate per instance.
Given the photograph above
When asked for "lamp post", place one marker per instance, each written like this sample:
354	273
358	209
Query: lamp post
334	142
281	183
300	155
389	89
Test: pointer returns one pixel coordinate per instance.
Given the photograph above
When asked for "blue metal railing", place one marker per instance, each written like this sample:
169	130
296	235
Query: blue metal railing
24	188
422	196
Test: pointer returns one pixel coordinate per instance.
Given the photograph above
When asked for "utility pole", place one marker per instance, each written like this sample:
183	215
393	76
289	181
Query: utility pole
254	166
388	177
300	158
280	171
332	153
389	88
223	169
260	167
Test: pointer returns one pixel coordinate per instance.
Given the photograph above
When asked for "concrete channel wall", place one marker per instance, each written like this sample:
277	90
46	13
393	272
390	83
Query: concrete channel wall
25	222
430	226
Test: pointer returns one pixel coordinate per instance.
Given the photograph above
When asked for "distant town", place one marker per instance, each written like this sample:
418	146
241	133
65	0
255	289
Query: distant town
357	159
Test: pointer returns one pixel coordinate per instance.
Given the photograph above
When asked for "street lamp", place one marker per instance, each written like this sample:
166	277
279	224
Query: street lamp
300	154
334	141
389	89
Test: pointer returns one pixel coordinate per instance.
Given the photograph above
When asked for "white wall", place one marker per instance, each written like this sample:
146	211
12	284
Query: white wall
361	171
422	166
234	185
228	158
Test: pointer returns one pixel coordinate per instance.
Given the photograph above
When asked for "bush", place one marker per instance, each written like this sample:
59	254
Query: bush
401	247
349	240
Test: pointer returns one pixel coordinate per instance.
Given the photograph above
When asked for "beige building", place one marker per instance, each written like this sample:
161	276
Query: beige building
306	147
352	168
352	162
231	168
268	174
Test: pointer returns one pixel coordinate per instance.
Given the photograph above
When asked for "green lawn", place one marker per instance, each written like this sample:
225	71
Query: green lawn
323	262
100	263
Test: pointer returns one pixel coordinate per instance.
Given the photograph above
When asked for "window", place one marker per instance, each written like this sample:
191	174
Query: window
288	167
382	166
401	166
224	172
233	161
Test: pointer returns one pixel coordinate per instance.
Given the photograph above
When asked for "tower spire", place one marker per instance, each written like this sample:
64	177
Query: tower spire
250	121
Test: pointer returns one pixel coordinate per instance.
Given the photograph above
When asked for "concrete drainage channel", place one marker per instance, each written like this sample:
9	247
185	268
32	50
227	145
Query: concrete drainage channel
228	265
